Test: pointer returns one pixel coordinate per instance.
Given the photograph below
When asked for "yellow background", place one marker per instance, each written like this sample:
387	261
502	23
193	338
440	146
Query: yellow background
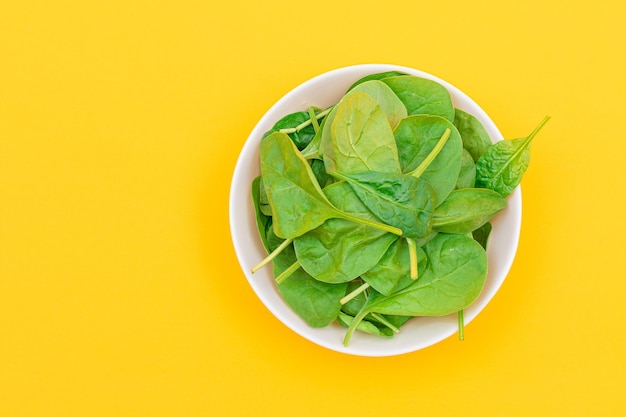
120	125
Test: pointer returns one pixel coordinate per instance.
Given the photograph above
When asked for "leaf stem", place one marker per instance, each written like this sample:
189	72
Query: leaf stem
306	122
371	223
313	117
417	172
287	272
384	321
355	322
412	257
354	293
461	325
272	255
535	131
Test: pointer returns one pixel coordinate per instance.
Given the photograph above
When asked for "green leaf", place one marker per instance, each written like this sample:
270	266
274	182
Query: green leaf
361	138
421	242
476	140
312	151
389	103
453	279
481	235
365	326
422	96
393	272
297	201
263	222
319	170
467	174
300	138
466	210
502	166
291	188
397	321
416	138
355	304
376	76
399	200
316	302
264	204
341	250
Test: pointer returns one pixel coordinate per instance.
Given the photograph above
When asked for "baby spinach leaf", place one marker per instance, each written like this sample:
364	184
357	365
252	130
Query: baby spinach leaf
354	305
466	210
340	250
312	151
263	222
416	138
297	201
316	302
453	279
399	200
300	138
397	321
324	143
476	140
319	170
481	235
467	174
502	165
264	204
376	76
422	96
392	272
291	188
269	239
422	241
386	98
361	138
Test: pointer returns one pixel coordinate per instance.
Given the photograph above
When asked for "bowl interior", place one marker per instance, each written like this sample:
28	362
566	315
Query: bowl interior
322	91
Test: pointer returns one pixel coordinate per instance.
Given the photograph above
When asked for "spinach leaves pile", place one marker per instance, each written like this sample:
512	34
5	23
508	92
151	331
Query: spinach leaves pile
376	209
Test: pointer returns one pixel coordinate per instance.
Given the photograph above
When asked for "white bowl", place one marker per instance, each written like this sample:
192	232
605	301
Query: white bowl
322	91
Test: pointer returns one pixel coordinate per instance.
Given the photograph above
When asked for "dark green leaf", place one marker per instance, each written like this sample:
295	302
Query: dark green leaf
476	140
300	138
312	151
317	303
481	235
355	305
262	220
341	250
399	200
319	170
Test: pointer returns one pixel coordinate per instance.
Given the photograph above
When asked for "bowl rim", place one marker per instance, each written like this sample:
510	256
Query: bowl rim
500	259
